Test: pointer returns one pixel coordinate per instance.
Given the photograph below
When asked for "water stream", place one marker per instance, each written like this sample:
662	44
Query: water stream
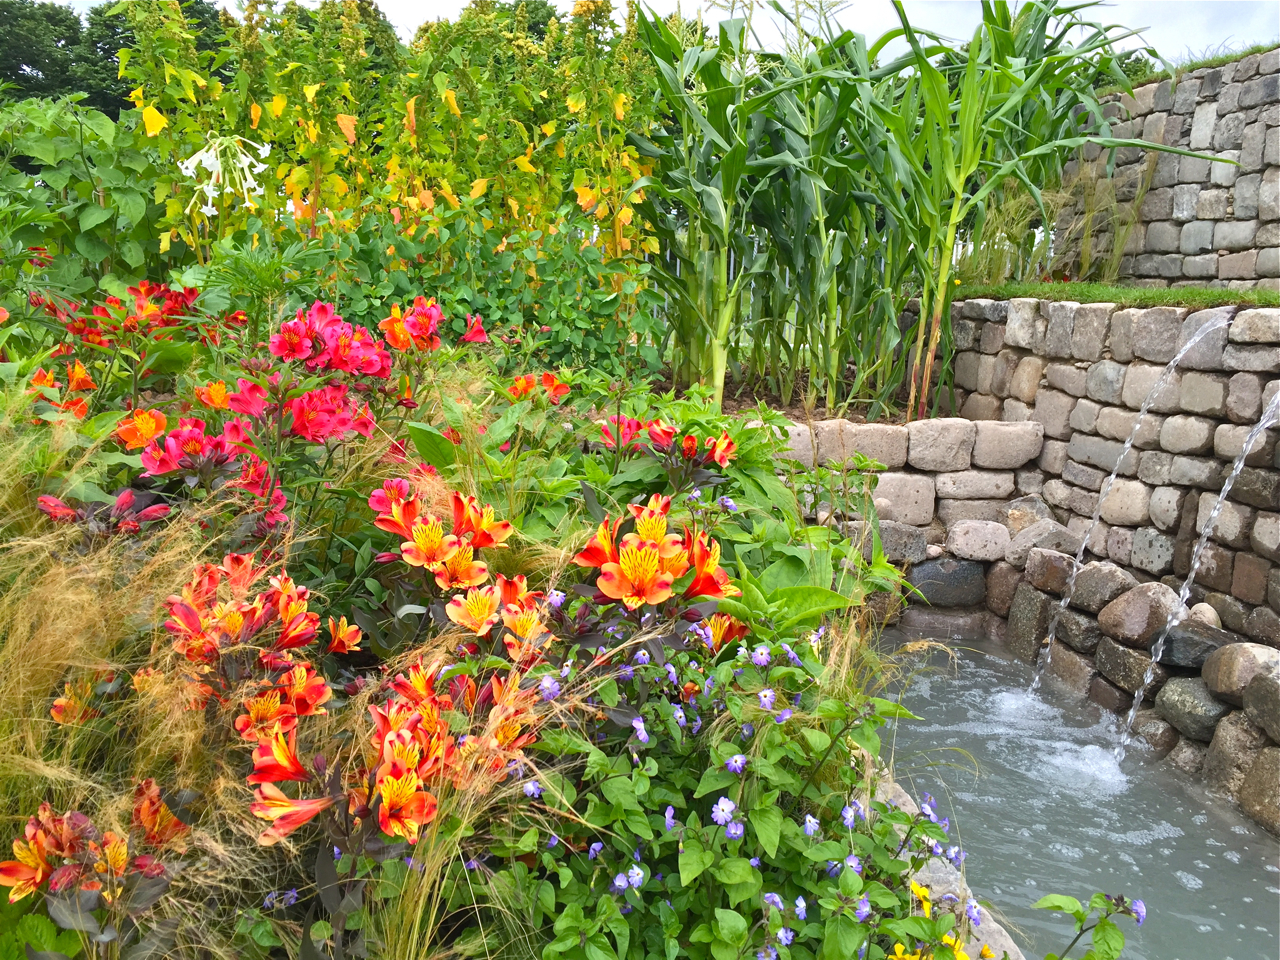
1052	810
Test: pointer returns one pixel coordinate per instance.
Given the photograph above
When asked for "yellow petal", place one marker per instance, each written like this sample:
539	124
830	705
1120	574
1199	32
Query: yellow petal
620	105
478	187
278	104
153	120
410	117
523	163
451	100
255	114
310	91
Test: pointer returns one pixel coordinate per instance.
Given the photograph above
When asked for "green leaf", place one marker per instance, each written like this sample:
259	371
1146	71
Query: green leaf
803	604
693	861
93	215
734	870
767	822
432	445
1056	901
1108	939
732	926
714	779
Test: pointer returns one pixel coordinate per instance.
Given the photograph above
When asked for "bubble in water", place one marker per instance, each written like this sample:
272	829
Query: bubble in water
1205	928
1188	880
1233	856
1068	852
1199	818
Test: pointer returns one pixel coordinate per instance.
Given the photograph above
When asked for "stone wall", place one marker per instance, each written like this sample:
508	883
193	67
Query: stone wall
1197	222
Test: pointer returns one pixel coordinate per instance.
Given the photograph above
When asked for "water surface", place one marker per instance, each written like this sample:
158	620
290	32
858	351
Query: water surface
1051	810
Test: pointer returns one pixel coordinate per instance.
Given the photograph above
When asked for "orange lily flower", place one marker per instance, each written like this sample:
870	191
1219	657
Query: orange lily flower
140	429
419	687
722	449
394	329
214	395
153	816
405	806
78	377
73	705
637	576
478	611
651	519
525	636
460	570
709	579
399	517
267	714
343	638
600	549
522	386
724	629
469	518
76	406
240	572
555	389
511	720
516	593
305	690
285	813
428	545
276	759
112	856
44	378
30	868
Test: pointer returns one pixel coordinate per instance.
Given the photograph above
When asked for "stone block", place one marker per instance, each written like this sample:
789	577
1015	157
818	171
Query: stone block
1067	378
1136	617
901	542
1185	94
1019	514
954	511
1229	99
1014	411
1249	578
1127	503
1263	624
1166	506
1079	475
1258	359
1212	205
1259	793
1078	631
1245	195
1103	453
1098	583
1049	570
1164	237
1234	613
1002	375
1073	671
1202	124
945	443
1090	326
1228	134
1214	571
984	540
1154	467
974	485
1157	205
1256	325
1234	234
883	442
1108	696
1048	534
967	370
1053	410
1229	440
1002	580
910	494
1084	417
1196	238
1262	703
1026	378
986	370
1188	757
1167	265
974	309
1253	146
1201	267
1224	174
1208	330
1203	393
1268	263
1028	481
1006	445
1158	734
1185	197
1025	326
1258	488
1189	644
1057	340
1195	472
992	338
1244	398
1105	381
1260	90
1193	169
1128	668
947	582
1264	539
980	406
1237	743
1186	434
1238	266
1053	456
1029	616
1187	703
1118	423
1269	198
1120	544
1142	380
1121	339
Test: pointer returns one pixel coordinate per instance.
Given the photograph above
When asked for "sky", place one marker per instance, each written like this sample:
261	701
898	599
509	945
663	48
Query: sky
1178	29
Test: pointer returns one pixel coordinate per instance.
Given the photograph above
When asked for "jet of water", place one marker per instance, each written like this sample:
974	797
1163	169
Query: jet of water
1043	664
1270	416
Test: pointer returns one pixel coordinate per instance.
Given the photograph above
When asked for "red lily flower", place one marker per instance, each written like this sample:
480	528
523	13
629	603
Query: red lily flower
475	331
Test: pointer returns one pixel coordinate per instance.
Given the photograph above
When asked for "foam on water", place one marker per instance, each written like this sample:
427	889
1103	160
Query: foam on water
1052	810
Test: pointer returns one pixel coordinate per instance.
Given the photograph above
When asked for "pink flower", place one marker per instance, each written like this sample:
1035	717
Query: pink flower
293	342
475	331
251	398
392	492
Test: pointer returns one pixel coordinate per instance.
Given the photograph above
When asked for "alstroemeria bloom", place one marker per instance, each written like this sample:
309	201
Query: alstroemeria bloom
637	577
285	813
401	517
78	377
213	395
555	389
477	611
293	342
475	331
342	637
428	545
628	432
250	399
522	386
527	635
57	511
709	579
405	806
722	629
661	435
29	868
478	523
276	758
516	593
267	714
600	549
305	690
141	428
461	570
722	449
392	491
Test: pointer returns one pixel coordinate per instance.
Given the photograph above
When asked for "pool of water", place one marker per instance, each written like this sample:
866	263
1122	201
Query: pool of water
1051	810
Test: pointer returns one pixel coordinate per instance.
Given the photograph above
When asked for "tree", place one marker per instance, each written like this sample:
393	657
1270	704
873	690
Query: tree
37	52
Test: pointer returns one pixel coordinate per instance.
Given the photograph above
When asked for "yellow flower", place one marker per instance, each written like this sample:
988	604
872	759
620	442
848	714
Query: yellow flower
922	894
986	953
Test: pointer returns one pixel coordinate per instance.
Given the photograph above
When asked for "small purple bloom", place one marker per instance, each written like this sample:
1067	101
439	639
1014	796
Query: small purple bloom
736	764
472	864
636	854
1139	910
801	908
723	810
772	900
550	688
811	825
670	819
556	598
754	861
593	851
697	725
785	936
727	504
635	877
833	868
619	884
851	814
641	733
672	676
678	715
853	863
641	657
761	656
552	842
734	830
708	686
289	897
974	912
626	672
695	494
748	731
783	717
862	910
270	902
767	698
791	655
533	789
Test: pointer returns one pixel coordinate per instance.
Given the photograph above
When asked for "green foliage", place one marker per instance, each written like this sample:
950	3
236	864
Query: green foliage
1106	937
39	44
1197	298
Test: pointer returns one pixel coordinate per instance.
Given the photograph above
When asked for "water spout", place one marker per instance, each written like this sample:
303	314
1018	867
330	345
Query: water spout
1043	663
1270	416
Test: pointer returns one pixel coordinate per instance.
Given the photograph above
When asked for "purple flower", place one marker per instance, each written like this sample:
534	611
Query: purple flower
670	819
974	912
736	764
1139	911
672	676
926	810
533	789
852	813
801	907
772	900
641	657
555	598
723	810
626	672
785	936
270	902
754	861
817	634
761	656
748	731
290	897
619	884
768	953
853	863
955	855
550	688
593	851
734	830
783	717
833	868
636	854
708	686
727	504
678	715
697	725
695	494
811	825
552	842
635	877
472	864
791	655
641	733
862	910
767	698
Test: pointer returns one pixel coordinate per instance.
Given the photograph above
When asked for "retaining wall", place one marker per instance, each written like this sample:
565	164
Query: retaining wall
1197	222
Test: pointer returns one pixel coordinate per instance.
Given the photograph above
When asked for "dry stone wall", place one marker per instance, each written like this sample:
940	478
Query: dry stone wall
1197	221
